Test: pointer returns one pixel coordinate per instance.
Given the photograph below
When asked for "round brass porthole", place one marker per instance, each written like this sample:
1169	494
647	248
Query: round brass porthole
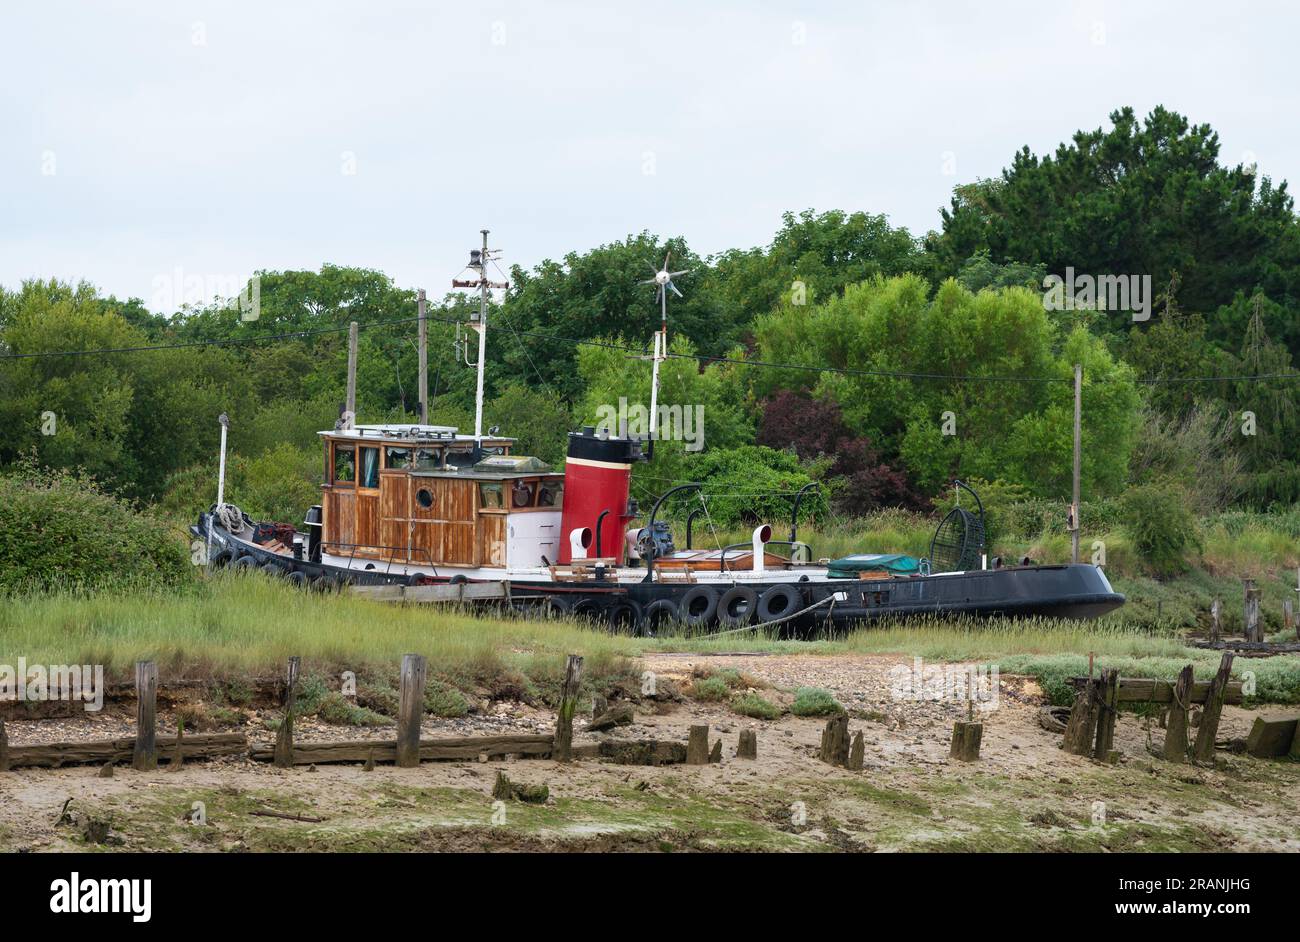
424	497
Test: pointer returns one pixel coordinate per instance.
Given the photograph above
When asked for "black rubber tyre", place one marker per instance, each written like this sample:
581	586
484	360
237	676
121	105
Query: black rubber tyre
245	563
625	617
415	577
457	579
272	569
297	579
323	584
778	602
737	605
592	610
223	558
698	606
555	606
658	614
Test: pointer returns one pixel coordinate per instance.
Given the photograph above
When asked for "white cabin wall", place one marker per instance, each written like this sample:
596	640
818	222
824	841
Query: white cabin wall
530	536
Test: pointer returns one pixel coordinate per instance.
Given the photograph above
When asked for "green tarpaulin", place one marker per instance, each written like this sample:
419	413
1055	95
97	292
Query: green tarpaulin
897	564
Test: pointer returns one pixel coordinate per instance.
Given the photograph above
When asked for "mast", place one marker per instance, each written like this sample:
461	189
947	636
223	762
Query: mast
478	262
663	282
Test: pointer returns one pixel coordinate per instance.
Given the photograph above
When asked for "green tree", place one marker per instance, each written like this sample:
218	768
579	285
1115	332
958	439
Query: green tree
1145	197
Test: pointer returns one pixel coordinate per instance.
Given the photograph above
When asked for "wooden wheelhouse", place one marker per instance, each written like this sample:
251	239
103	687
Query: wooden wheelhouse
424	495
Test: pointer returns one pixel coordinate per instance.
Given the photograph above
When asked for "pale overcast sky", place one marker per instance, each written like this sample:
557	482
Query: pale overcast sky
142	140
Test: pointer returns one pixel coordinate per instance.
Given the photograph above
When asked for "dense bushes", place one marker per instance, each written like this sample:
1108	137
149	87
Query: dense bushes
1161	526
279	484
60	529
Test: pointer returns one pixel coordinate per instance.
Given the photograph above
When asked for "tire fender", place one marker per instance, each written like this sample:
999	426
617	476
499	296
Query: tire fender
778	601
689	610
738	596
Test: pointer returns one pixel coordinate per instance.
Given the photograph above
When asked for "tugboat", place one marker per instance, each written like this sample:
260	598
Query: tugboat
427	506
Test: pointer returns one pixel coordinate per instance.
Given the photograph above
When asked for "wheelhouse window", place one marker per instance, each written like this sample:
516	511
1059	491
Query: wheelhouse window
426	459
345	467
460	459
397	458
490	496
369	467
550	494
521	493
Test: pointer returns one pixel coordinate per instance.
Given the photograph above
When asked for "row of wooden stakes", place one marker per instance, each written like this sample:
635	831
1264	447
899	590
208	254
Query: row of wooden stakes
407	750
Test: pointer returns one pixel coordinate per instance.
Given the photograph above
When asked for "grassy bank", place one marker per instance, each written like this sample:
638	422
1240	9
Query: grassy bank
246	624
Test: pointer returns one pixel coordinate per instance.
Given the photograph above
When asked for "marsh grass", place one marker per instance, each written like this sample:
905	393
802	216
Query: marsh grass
248	624
239	625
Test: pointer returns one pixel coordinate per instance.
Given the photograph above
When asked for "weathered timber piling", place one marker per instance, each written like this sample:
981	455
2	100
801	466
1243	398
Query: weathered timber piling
410	709
284	735
145	756
449	749
178	757
563	749
1254	631
4	748
747	747
1107	691
835	741
1082	725
966	738
1204	750
857	753
1176	724
58	754
1216	627
697	746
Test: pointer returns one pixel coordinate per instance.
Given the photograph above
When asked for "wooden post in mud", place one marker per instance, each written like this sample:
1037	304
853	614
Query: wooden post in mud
562	751
1176	724
1253	632
747	748
856	753
4	748
1216	630
1107	692
1082	724
1209	727
966	736
145	756
697	746
1288	614
410	709
966	739
284	735
178	757
835	741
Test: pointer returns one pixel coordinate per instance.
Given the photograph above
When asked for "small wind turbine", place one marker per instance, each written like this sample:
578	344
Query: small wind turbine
663	281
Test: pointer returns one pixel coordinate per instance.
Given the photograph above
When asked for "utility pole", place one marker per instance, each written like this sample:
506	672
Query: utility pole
422	306
1078	444
482	342
350	415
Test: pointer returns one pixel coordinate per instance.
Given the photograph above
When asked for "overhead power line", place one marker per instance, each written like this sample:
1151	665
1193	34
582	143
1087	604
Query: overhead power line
627	348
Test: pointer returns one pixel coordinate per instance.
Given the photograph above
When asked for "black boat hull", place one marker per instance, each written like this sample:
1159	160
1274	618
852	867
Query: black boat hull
1073	591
